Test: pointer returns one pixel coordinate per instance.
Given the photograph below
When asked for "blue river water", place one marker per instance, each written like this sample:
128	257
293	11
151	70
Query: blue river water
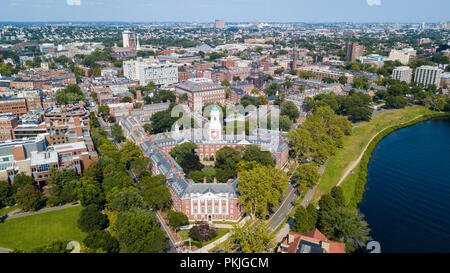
407	196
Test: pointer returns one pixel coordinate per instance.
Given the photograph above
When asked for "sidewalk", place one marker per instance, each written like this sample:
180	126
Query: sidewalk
212	245
14	214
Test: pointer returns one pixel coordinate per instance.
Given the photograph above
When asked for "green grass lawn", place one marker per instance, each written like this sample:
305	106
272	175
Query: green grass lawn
29	232
185	236
353	146
4	211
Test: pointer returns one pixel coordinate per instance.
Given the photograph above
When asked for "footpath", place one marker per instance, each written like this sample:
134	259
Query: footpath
17	214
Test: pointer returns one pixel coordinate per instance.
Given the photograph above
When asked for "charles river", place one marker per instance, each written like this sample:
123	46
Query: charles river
407	197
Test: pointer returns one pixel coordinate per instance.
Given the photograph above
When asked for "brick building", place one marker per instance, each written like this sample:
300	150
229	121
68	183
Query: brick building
14	105
201	91
8	122
310	242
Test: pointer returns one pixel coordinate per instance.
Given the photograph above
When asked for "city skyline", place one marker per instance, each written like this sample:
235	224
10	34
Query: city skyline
323	11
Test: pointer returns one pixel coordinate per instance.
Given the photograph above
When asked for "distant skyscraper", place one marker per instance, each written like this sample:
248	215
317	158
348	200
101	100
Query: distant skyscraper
129	39
220	24
448	25
294	59
354	51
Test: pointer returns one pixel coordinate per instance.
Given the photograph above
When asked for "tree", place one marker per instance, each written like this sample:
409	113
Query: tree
177	219
89	191
117	133
126	99
147	127
129	152
184	154
345	225
253	237
29	198
343	80
158	197
126	200
326	203
338	195
102	239
70	95
139	167
307	175
141	234
53	247
227	158
285	123
279	71
396	102
289	109
302	143
261	187
183	98
91	219
305	219
225	83
154	192
254	153
202	232
21	180
5	193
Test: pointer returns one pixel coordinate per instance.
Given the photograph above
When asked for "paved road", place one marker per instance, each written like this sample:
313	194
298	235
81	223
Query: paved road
173	248
355	163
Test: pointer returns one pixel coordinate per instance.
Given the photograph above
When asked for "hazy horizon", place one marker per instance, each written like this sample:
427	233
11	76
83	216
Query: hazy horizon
206	11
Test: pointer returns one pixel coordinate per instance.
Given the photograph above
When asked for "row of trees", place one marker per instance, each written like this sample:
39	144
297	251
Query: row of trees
319	136
335	220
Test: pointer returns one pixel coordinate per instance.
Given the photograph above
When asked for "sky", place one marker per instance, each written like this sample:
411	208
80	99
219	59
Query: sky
310	11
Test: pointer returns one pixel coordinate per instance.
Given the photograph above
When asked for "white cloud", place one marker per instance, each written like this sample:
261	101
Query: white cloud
373	2
73	2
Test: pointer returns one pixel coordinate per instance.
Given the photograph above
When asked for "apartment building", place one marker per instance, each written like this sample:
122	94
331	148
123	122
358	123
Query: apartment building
146	70
428	75
402	73
404	55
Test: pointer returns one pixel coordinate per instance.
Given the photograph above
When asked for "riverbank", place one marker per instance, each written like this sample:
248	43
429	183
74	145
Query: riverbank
354	145
360	179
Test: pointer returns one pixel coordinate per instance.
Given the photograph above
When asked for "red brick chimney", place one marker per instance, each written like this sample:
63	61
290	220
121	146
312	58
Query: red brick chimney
204	179
190	182
229	182
215	180
239	174
173	165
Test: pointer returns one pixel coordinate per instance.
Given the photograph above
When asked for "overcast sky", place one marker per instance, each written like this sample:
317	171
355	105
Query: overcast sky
228	10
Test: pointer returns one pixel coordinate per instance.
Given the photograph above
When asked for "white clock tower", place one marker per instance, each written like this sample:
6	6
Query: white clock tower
215	125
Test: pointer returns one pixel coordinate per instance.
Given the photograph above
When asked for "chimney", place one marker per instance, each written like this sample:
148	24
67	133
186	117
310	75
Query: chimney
190	182
173	165
325	246
177	175
204	179
138	94
182	175
215	180
290	238
239	174
229	182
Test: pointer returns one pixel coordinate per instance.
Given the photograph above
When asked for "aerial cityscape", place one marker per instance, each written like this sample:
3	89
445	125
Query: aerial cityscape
228	127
